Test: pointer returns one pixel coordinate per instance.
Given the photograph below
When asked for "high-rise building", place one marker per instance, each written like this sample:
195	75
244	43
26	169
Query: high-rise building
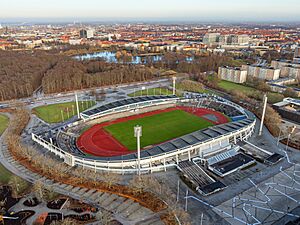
86	33
227	39
211	38
297	52
297	55
224	39
236	75
287	68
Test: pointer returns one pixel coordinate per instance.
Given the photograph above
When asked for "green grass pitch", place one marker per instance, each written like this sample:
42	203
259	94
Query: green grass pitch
3	123
56	113
157	128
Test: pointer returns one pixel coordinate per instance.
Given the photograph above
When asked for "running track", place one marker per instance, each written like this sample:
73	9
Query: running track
96	141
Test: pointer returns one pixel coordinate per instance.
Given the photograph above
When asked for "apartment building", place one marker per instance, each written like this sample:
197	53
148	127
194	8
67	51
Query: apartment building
236	75
288	68
262	72
227	39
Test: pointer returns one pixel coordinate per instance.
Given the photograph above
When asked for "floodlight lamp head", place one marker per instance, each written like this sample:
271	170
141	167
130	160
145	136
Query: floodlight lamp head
137	131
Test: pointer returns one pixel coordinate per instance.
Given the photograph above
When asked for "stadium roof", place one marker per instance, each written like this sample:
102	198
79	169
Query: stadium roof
124	102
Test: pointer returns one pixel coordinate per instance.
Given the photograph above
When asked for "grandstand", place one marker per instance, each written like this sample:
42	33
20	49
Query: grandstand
202	143
289	109
200	180
260	154
68	141
126	104
229	162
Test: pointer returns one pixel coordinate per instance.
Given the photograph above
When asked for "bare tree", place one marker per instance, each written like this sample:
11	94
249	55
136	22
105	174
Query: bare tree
39	190
104	217
18	185
110	179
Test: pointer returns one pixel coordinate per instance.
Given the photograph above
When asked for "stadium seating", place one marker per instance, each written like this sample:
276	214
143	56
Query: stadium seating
222	156
197	176
125	103
68	143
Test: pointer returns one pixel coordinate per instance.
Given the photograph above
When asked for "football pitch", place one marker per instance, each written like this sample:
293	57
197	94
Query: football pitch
157	128
56	113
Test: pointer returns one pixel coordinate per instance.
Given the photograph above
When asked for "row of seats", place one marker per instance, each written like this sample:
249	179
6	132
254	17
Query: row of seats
195	174
126	102
222	156
223	108
68	143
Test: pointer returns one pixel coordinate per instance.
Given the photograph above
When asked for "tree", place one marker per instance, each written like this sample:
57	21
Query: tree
2	206
189	85
263	86
110	178
104	217
39	190
289	92
138	184
67	221
80	173
18	185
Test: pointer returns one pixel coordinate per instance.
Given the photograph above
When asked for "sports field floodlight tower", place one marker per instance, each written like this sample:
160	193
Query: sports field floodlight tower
174	85
265	101
138	134
77	105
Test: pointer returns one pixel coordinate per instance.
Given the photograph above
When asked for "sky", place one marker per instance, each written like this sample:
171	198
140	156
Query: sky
185	10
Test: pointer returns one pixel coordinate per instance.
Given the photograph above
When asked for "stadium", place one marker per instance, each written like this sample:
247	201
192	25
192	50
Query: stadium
174	129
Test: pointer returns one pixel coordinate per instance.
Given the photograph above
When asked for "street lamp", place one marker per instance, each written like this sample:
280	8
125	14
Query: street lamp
138	134
278	139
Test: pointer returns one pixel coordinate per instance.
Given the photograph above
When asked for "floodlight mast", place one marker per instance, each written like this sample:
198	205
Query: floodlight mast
174	85
77	106
263	115
138	134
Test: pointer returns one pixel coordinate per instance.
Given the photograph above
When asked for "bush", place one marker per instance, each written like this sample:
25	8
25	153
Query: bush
189	85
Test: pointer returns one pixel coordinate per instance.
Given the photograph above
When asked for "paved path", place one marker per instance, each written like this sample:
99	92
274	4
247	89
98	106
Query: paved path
125	210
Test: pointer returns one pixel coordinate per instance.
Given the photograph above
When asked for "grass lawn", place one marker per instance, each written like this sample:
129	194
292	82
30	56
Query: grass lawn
151	91
5	175
157	128
3	123
53	113
229	86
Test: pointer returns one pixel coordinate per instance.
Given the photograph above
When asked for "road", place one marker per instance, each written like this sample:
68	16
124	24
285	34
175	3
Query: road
121	90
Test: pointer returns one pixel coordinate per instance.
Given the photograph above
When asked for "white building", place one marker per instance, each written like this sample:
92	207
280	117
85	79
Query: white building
288	68
211	38
86	33
236	75
262	72
297	52
227	39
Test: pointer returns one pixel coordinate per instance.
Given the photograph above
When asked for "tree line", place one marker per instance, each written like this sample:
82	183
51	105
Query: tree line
69	75
22	72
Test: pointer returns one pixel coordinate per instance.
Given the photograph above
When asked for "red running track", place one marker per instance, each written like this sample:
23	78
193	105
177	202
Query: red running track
96	141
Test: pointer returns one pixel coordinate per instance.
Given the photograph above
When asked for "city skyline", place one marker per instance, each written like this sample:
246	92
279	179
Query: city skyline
133	10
